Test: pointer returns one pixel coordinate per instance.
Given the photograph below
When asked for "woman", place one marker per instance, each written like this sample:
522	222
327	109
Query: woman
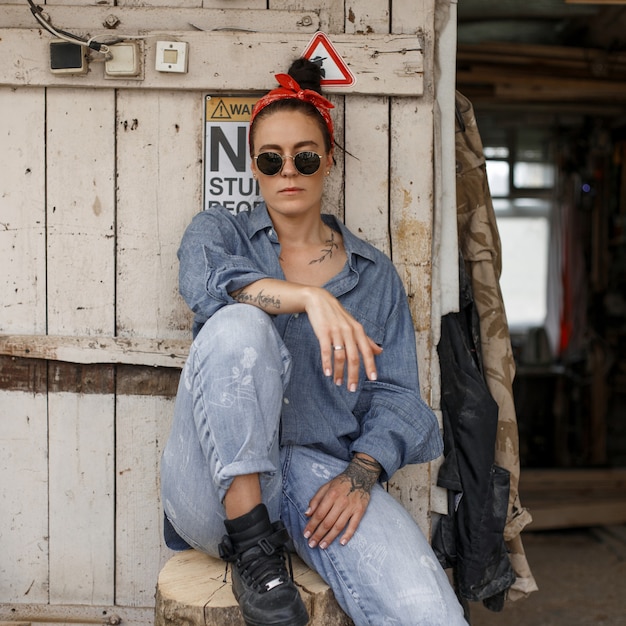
300	394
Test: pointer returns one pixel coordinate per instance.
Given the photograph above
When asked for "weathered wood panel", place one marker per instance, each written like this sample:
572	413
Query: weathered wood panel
411	192
81	489
142	427
129	350
160	173
334	191
22	211
383	64
411	187
23	412
365	17
24	497
81	297
81	498
367	169
126	19
367	141
80	154
331	13
47	615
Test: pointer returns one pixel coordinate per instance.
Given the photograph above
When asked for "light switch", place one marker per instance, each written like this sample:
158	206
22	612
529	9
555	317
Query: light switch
171	56
124	60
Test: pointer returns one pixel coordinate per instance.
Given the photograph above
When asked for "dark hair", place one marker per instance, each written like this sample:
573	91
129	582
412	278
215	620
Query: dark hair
308	75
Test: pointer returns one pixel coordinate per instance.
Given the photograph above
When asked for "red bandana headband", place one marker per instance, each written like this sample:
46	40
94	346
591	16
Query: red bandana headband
289	88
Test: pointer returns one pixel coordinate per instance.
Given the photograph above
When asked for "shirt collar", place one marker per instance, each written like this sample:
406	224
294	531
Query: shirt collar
260	220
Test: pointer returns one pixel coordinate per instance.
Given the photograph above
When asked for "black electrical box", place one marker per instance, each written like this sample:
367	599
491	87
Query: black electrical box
67	58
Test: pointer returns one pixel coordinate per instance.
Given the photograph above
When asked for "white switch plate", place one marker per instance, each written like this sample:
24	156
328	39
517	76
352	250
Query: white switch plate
171	56
125	61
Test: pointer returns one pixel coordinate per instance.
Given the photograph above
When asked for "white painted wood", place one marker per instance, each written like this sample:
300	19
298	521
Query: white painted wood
163	3
129	350
24	497
411	195
142	428
81	498
414	15
412	199
23	416
22	211
45	615
366	17
367	141
234	4
382	64
331	12
411	487
367	169
76	3
159	190
445	274
445	263
107	22
334	189
80	211
81	248
411	192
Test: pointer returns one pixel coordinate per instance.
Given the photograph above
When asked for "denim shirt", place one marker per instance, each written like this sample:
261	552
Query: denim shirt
387	418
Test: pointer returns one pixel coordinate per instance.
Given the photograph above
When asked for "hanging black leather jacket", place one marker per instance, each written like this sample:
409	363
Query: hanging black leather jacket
470	537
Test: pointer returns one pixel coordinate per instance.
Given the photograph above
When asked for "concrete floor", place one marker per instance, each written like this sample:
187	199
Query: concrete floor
581	575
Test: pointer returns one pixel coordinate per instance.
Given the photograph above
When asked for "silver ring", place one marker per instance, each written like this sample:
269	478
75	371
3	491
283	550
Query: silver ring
338	348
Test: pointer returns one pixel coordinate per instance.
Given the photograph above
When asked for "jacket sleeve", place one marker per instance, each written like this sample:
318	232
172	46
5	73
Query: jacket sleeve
213	262
397	426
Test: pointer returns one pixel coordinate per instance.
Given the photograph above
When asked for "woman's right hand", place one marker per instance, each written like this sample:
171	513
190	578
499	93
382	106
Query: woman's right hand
343	341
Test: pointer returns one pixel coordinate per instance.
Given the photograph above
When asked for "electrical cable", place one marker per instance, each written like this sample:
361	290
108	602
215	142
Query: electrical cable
37	12
92	42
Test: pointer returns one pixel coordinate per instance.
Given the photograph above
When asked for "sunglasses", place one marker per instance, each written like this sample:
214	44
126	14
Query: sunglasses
271	163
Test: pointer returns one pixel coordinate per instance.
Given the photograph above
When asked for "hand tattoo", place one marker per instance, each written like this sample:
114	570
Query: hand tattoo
362	474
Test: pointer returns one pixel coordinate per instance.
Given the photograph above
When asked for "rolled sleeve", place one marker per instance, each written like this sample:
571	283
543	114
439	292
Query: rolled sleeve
215	259
226	273
398	429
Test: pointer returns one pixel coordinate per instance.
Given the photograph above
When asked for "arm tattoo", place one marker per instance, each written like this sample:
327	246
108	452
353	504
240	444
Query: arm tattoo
260	299
362	474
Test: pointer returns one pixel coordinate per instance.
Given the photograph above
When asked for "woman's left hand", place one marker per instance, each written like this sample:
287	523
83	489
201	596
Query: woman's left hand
339	505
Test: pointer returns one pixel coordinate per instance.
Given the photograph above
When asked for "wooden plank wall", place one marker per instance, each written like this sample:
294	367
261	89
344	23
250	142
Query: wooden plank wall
98	180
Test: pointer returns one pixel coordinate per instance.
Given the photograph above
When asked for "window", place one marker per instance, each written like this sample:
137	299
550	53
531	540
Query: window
522	178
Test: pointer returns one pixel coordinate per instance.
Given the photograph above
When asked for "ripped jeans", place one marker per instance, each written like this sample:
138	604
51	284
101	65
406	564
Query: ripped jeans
226	423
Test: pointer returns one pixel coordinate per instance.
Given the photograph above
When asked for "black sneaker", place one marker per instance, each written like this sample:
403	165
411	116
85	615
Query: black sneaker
266	593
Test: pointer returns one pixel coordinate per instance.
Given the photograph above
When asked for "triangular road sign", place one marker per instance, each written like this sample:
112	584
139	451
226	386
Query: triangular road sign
334	70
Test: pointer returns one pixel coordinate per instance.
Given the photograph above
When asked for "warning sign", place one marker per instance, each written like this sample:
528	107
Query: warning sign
335	72
228	177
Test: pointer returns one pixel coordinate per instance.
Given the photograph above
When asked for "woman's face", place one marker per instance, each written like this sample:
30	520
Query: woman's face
290	193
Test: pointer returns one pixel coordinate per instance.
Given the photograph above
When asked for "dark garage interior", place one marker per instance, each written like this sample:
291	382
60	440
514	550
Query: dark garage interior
547	81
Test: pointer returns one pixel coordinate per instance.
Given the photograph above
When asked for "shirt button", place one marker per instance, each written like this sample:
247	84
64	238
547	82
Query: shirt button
286	400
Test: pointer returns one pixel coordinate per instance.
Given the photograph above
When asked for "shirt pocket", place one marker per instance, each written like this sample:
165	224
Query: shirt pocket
374	329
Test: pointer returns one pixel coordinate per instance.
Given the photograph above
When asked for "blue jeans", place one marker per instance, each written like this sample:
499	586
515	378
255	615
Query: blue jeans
226	423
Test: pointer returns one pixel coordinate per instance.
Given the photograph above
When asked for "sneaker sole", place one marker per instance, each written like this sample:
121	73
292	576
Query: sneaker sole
299	620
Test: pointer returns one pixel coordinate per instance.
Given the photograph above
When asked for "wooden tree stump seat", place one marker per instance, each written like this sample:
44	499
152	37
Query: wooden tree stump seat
191	592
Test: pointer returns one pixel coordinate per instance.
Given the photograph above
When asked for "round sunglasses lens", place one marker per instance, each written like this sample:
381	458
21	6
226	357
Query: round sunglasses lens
307	163
269	163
